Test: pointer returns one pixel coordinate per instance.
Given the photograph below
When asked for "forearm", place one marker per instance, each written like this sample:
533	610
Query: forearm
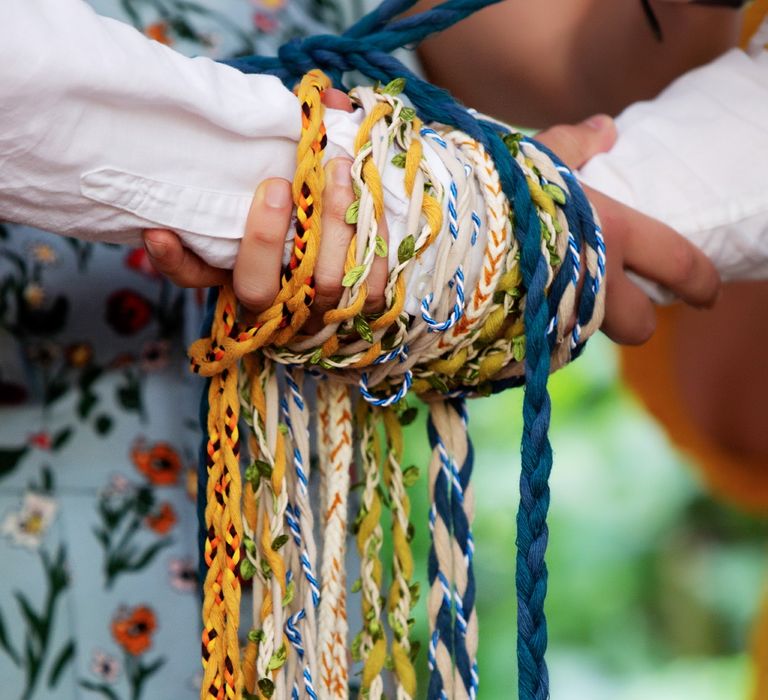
104	132
694	158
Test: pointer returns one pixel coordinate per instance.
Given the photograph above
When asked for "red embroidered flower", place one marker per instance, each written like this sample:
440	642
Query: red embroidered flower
79	354
162	520
159	32
41	440
132	628
264	22
137	259
160	463
128	312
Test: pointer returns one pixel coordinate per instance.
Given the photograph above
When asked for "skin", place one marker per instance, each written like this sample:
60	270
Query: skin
561	60
629	318
601	56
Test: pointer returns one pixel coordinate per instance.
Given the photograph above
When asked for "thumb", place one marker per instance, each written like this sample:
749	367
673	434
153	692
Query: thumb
577	143
336	99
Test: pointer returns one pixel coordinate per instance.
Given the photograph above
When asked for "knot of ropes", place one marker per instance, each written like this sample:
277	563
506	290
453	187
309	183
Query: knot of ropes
525	311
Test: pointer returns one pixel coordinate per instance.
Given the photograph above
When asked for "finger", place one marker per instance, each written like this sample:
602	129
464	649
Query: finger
256	275
575	144
630	317
377	279
180	265
658	253
336	99
337	235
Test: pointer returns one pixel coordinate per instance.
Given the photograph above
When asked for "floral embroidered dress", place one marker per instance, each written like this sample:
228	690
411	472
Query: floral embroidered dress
98	429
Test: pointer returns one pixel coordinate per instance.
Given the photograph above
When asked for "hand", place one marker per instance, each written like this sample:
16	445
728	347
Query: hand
634	242
256	275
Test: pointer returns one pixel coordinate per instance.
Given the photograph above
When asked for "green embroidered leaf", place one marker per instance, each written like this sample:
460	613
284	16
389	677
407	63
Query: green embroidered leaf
518	348
102	688
394	87
555	192
317	355
279	541
353	276
363	329
145	559
247	569
408	415
353	210
103	424
267	687
438	384
398	160
144	672
411	476
290	591
407	249
283	428
250	546
35	624
61	438
407	114
9	458
256	636
256	470
5	643
277	659
86	404
65	656
381	247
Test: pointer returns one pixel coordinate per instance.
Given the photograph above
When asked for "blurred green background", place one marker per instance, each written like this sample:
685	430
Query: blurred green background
653	584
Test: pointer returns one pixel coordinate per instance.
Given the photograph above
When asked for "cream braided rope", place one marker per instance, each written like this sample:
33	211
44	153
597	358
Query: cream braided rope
459	261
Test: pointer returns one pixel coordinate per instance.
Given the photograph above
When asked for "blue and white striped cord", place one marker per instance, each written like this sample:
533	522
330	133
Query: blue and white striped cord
293	634
464	649
402	354
453	228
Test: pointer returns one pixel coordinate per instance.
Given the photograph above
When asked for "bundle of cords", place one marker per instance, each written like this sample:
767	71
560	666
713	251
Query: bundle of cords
525	311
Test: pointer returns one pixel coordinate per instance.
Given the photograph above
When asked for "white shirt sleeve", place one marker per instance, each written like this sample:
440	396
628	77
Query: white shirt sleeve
696	158
104	132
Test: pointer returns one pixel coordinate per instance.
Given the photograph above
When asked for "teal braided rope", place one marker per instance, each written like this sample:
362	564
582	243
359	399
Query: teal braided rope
365	48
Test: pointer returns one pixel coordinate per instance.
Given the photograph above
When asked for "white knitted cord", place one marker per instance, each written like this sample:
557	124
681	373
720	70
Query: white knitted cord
335	434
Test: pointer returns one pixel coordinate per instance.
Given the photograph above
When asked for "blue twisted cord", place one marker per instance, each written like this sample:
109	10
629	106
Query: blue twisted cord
365	47
462	533
440	508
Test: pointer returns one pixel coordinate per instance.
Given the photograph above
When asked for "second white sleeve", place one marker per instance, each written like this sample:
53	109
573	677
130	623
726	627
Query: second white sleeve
696	158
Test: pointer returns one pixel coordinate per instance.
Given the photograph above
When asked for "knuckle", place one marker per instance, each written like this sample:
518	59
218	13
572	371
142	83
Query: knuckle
253	296
566	144
683	261
327	286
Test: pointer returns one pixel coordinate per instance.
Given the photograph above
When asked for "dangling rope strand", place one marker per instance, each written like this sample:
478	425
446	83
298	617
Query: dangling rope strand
480	292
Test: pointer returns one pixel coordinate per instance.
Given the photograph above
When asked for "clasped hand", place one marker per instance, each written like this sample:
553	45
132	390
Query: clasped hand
634	242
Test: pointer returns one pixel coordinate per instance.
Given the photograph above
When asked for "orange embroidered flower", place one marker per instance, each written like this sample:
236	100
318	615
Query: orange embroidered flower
162	520
79	354
159	32
160	463
132	628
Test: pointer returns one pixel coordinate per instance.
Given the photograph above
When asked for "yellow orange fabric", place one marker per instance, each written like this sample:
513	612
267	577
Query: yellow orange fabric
649	370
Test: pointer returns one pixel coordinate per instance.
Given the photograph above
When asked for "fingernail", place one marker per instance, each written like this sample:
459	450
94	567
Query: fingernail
156	249
277	195
341	173
598	122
